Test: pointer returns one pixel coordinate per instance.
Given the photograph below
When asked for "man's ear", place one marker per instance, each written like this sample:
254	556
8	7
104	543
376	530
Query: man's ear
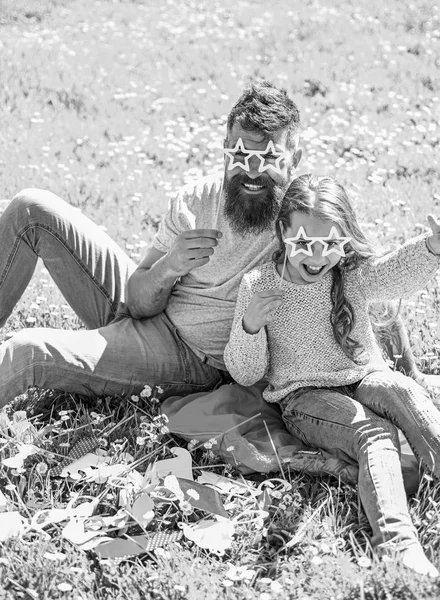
297	158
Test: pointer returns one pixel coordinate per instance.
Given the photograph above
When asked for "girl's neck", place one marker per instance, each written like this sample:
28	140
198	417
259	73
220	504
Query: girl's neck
287	274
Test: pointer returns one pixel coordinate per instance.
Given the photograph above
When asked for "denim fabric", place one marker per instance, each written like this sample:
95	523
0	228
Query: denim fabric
361	421
117	354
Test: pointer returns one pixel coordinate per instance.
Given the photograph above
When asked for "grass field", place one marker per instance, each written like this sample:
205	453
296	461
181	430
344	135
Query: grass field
113	105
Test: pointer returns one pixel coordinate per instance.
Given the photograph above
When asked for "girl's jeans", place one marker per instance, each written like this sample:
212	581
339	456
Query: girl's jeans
117	354
361	420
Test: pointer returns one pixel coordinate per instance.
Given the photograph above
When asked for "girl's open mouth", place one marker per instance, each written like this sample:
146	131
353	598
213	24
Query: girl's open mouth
313	270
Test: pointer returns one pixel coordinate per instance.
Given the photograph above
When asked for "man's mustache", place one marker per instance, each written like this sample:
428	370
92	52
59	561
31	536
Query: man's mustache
261	180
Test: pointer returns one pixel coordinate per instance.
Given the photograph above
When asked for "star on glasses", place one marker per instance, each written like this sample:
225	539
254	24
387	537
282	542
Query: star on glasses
333	243
239	153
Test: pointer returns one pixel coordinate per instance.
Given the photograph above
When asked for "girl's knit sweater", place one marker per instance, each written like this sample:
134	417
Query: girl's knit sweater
298	348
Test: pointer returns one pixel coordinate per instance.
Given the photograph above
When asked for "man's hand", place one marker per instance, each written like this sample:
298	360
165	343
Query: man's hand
261	308
433	240
191	249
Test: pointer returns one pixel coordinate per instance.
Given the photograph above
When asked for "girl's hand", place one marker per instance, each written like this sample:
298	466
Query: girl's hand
261	308
433	240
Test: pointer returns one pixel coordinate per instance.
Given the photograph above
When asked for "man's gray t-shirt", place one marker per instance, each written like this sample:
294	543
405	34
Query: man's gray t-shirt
202	303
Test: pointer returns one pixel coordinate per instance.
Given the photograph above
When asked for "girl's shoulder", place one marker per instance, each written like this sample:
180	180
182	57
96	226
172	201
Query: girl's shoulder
260	274
356	270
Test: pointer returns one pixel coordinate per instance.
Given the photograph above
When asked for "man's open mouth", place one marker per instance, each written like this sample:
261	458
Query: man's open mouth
252	187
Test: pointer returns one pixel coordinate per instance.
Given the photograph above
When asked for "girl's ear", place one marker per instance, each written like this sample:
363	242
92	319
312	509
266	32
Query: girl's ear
281	226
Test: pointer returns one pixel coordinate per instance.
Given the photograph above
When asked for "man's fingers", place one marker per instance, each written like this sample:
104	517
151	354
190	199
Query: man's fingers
199	262
202	233
200	242
197	253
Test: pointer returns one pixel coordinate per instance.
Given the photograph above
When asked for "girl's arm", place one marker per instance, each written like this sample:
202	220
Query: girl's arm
404	271
246	354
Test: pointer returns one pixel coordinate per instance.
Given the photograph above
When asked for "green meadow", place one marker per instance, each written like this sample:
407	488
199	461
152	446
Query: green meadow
113	105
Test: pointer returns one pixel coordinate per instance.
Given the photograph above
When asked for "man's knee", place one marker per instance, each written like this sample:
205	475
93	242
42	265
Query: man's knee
29	196
25	348
34	202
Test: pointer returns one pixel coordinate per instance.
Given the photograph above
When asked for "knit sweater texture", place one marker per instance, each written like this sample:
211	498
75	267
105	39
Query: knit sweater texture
298	348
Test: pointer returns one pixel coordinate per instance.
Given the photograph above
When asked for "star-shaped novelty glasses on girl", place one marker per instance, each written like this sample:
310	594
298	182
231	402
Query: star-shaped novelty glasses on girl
302	243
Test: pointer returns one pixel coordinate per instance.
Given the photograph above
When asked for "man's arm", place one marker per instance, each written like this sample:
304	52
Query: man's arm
150	286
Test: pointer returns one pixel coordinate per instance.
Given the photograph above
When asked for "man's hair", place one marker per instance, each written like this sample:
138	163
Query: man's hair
266	108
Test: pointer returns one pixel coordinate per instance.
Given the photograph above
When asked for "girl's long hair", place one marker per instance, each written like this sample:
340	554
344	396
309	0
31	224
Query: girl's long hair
325	198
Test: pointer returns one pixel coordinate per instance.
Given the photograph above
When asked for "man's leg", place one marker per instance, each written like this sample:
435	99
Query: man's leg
119	358
91	271
393	338
88	267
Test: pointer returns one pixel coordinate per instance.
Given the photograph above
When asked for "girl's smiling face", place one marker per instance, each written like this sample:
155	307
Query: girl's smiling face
313	266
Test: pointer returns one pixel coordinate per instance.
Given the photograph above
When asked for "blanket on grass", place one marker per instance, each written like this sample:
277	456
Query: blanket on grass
251	435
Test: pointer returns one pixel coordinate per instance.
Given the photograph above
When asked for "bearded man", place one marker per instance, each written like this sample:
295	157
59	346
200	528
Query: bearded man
167	321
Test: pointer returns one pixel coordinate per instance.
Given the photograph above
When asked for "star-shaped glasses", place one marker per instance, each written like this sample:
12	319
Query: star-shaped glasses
302	243
270	158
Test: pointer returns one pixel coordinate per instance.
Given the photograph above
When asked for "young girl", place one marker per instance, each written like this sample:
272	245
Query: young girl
302	322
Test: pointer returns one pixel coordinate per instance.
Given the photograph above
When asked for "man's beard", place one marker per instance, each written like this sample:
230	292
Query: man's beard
251	213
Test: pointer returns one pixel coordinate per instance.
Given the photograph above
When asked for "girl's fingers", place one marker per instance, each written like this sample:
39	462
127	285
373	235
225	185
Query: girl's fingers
434	223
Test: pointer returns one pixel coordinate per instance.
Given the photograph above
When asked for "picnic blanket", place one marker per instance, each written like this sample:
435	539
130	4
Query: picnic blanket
250	429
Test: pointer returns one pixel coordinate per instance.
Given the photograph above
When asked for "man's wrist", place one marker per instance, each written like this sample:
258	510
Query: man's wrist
168	273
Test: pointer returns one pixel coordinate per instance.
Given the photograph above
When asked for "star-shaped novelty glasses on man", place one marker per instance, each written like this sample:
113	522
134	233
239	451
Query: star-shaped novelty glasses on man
302	243
270	158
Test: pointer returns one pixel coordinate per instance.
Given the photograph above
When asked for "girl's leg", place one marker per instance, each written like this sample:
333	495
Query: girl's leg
327	419
406	404
88	267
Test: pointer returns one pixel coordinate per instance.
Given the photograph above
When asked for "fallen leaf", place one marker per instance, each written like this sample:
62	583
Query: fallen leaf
81	448
171	483
16	461
212	535
48	516
77	469
3	502
208	499
23	429
103	473
75	531
143	509
181	466
12	524
137	544
225	485
5	423
54	556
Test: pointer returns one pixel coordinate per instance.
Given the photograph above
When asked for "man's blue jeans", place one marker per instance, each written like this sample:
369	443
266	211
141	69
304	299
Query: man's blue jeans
361	421
116	354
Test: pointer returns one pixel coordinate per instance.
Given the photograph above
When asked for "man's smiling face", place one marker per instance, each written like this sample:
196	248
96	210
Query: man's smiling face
252	197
